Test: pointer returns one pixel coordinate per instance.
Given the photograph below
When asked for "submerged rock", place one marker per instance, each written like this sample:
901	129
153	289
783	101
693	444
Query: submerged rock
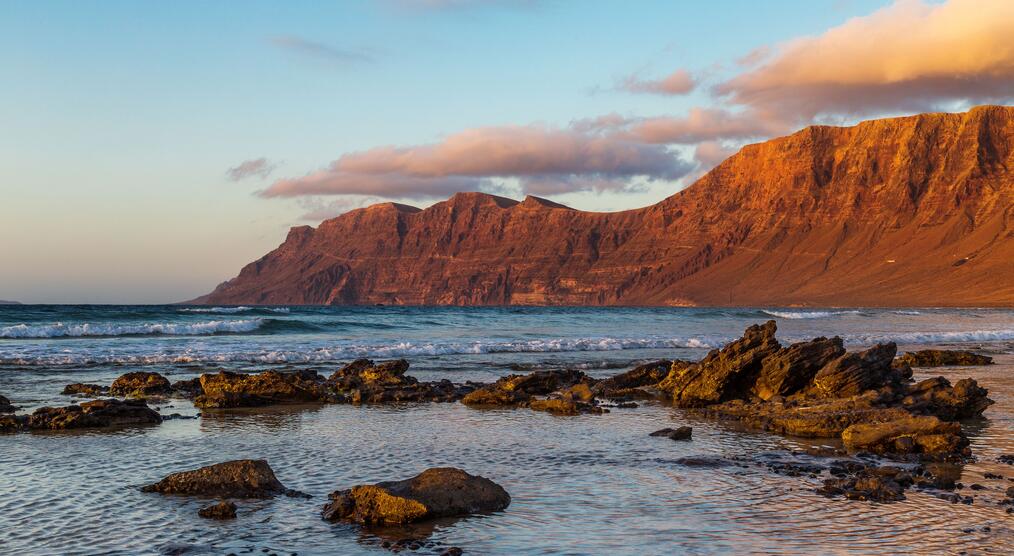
222	510
227	389
434	493
791	369
924	435
80	389
97	413
6	406
681	433
244	478
140	384
878	485
943	358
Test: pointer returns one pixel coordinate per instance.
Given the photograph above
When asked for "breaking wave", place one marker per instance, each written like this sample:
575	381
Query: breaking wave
933	337
809	314
233	310
62	330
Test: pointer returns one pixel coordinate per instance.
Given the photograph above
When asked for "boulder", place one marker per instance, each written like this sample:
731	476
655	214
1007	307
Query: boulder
227	389
11	423
364	381
516	390
434	493
244	478
856	372
140	384
222	510
874	488
97	413
926	436
791	369
81	389
6	406
726	373
565	406
943	358
935	396
627	384
681	433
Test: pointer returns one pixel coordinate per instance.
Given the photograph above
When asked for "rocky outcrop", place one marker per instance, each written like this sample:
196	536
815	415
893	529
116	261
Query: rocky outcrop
854	373
518	390
790	369
228	389
434	493
633	383
245	478
140	384
890	212
724	374
222	510
80	389
944	358
93	414
925	435
935	396
6	406
681	433
364	381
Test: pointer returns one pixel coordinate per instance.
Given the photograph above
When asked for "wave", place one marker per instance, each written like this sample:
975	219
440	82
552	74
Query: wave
933	337
808	314
62	330
233	310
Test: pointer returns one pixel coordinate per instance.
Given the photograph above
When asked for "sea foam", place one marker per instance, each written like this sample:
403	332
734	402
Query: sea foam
66	330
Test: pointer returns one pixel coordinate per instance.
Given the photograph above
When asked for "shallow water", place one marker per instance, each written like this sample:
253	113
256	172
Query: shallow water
580	485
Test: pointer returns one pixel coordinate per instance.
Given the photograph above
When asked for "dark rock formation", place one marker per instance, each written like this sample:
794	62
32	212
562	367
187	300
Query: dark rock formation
631	383
682	433
434	493
80	389
876	484
856	372
187	389
790	369
927	436
6	406
364	381
944	358
227	389
806	417
516	390
245	478
140	384
11	423
935	396
97	413
221	510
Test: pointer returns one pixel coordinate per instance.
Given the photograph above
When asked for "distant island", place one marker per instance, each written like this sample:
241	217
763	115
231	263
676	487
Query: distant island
911	211
3	302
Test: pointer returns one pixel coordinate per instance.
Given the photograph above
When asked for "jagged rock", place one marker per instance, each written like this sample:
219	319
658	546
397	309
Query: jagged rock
681	433
935	396
97	413
515	390
222	510
140	384
926	435
227	389
244	478
791	369
856	372
726	373
80	389
434	493
6	406
944	358
628	384
187	389
11	423
877	484
561	406
364	381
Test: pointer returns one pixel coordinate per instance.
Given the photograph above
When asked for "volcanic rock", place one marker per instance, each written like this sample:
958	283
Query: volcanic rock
724	374
883	484
806	417
5	406
434	493
227	389
11	423
140	384
97	413
364	381
222	510
80	389
854	373
944	358
245	478
515	390
925	435
790	369
629	384
935	396
682	433
187	389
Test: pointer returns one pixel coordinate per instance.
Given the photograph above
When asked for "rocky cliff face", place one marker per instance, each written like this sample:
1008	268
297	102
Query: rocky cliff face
904	211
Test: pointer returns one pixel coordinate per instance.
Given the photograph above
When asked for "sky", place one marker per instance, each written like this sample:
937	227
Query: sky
148	150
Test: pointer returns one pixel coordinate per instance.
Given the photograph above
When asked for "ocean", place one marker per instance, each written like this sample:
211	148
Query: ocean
592	484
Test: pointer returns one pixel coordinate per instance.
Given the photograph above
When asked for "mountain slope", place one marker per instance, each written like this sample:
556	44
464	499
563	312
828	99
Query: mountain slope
903	211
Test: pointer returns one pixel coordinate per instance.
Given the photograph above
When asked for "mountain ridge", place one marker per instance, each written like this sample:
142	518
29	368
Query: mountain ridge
917	210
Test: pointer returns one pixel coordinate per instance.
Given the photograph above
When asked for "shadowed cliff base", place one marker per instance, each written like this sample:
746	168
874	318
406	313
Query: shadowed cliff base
912	211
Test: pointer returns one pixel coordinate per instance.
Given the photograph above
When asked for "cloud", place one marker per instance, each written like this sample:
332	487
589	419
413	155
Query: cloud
322	51
535	155
910	56
318	209
260	167
679	82
700	124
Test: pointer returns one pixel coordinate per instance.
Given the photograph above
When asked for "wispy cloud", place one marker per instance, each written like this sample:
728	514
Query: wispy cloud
679	82
260	167
321	51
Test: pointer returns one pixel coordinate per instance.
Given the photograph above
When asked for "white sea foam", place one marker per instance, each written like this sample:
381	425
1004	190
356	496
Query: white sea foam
64	330
933	337
231	310
809	314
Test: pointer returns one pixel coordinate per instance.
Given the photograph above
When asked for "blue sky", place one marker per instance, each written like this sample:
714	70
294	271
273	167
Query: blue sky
121	119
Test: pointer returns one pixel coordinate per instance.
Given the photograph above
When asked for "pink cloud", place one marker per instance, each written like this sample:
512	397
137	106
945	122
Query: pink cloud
700	124
679	82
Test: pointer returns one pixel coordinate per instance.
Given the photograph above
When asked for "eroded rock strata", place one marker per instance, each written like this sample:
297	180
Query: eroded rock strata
944	358
244	478
94	414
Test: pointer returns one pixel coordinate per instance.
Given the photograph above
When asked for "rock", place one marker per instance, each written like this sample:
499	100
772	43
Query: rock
187	389
140	384
452	551
856	372
516	390
944	358
935	396
560	406
227	389
925	435
97	413
222	510
80	389
11	423
724	374
791	369
6	406
866	486
579	393
244	478
682	433
1006	458
364	381
628	384
434	493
